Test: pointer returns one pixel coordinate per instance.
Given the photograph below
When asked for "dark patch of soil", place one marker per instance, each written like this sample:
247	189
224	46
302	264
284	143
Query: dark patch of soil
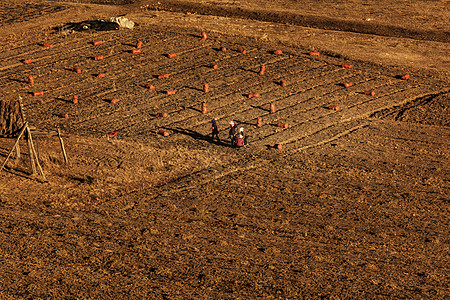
321	22
13	12
429	110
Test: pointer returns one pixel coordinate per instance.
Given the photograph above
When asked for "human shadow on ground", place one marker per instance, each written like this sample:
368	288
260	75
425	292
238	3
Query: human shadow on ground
198	136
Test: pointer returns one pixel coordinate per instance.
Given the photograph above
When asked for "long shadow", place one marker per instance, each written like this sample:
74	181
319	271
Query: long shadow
17	172
192	88
261	108
129	44
239	122
248	70
194	109
18	80
62	99
197	136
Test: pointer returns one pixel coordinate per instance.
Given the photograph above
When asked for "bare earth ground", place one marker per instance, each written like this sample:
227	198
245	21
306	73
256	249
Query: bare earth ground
355	205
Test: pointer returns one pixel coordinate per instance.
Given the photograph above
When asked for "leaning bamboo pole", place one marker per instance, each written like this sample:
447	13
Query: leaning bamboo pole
62	146
30	143
24	127
33	153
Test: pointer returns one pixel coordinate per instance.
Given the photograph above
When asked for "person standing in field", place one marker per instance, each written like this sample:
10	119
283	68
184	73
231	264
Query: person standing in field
214	130
242	138
232	133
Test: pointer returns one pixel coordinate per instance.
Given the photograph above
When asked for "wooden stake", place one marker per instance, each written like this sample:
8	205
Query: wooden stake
28	137
33	152
17	151
30	151
15	144
62	146
21	109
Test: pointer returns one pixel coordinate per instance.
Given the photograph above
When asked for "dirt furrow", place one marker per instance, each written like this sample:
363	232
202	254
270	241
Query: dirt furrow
362	111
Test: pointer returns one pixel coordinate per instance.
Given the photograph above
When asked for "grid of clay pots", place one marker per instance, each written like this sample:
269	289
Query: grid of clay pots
137	94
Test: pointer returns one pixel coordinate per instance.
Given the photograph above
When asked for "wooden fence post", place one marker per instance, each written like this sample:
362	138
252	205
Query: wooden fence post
62	146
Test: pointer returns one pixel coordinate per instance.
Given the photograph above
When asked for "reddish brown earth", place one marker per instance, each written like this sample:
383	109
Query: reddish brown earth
354	206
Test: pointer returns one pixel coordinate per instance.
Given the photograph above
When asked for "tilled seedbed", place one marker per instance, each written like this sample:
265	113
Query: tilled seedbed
314	85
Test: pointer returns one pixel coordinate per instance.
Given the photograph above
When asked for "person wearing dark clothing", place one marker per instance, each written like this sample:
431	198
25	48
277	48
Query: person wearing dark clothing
214	131
232	133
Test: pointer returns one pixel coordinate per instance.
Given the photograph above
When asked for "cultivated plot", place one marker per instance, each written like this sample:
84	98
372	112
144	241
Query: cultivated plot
302	99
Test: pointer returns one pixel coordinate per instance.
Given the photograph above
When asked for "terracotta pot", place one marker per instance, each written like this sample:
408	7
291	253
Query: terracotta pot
262	70
161	115
272	108
163	132
259	122
204	110
346	66
283	125
348	84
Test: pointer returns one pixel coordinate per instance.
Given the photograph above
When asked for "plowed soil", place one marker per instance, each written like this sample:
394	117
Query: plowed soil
355	204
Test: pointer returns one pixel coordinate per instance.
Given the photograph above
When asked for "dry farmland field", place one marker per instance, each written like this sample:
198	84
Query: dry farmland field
349	200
